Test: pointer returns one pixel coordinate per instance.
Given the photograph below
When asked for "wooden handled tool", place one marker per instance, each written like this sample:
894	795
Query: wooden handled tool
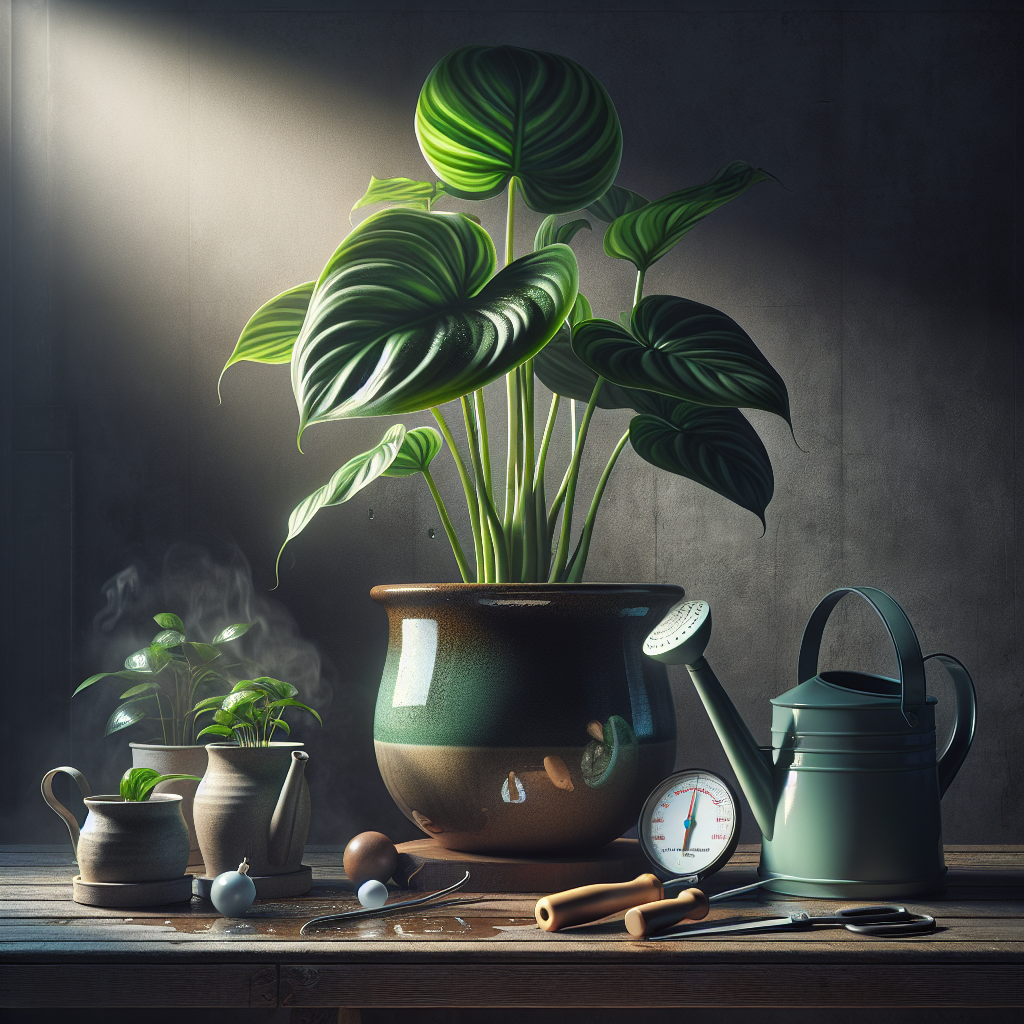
689	905
592	902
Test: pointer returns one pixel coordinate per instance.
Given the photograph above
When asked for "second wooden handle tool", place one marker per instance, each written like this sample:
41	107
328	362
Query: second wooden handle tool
592	902
689	905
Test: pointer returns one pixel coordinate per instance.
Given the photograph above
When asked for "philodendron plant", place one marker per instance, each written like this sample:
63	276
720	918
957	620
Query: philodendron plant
253	711
410	313
137	784
168	675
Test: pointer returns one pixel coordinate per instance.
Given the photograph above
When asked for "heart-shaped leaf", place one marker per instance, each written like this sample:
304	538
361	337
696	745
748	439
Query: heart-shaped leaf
648	233
488	113
550	231
168	638
562	371
615	202
407	316
268	337
420	195
714	447
346	482
272	686
417	452
233	632
147	661
168	620
684	349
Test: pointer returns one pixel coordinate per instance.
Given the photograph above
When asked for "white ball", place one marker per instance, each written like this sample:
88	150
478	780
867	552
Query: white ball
232	893
373	894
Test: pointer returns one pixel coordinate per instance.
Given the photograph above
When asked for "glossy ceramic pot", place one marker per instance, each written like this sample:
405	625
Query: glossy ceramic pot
523	718
253	802
169	760
133	840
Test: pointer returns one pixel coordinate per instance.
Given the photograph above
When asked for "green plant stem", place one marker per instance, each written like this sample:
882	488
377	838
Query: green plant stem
485	443
514	423
460	556
486	565
545	440
562	553
467	487
579	558
527	500
501	568
541	528
638	294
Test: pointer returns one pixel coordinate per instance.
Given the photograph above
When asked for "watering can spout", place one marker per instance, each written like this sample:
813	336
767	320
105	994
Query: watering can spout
751	764
282	824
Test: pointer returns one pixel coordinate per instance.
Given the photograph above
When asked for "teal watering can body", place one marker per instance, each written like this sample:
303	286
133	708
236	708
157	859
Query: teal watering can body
848	797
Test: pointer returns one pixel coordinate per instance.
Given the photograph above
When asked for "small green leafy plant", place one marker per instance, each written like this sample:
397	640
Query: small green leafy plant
252	712
168	675
411	313
138	783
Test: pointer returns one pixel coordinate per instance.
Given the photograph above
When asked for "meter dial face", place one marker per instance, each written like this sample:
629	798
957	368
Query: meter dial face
690	824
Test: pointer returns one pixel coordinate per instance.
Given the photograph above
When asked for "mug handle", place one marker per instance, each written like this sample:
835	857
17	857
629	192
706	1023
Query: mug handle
963	730
69	819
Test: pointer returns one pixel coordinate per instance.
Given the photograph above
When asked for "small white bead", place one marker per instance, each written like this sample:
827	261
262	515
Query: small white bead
373	894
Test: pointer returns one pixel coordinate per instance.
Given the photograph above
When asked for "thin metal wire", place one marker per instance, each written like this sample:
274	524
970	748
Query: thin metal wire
390	908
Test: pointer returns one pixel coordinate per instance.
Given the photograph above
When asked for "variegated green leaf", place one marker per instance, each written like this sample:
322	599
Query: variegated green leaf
407	316
233	632
648	233
417	452
550	231
420	195
348	481
168	638
269	335
684	349
127	714
714	447
168	620
615	202
488	113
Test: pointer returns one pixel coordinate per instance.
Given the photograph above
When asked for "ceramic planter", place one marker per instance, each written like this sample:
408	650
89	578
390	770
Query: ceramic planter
175	761
523	718
253	802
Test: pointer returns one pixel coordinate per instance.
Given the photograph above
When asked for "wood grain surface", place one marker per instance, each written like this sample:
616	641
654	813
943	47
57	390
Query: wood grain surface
488	952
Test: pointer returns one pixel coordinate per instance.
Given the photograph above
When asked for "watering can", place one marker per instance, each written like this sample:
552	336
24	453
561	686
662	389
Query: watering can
847	799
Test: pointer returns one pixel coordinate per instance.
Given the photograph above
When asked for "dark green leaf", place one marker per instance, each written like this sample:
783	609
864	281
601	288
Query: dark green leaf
269	335
273	686
289	703
346	482
168	638
580	311
168	620
141	688
488	113
147	661
418	449
233	632
407	316
648	233
92	679
420	195
225	718
684	349
235	702
215	730
550	231
205	652
209	704
137	783
715	447
615	202
280	723
129	713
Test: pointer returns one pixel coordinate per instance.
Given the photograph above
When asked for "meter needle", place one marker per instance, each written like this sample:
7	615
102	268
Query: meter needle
689	822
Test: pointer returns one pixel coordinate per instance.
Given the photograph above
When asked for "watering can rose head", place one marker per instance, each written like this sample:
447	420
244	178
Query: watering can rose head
252	712
411	313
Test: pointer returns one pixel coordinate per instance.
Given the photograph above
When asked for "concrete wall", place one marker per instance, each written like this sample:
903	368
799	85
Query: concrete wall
172	166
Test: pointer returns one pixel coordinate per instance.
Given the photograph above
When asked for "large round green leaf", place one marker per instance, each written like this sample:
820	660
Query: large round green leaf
562	371
714	447
418	449
650	231
490	113
406	316
615	202
684	349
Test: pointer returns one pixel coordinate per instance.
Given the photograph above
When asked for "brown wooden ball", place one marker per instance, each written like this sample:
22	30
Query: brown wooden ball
370	855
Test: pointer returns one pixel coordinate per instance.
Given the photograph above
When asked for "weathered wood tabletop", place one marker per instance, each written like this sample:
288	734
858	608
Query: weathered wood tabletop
54	952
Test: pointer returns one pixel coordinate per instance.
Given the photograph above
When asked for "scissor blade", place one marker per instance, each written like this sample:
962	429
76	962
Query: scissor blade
763	924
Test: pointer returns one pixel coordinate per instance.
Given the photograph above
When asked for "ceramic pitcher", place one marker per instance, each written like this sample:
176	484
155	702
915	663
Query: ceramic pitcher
124	840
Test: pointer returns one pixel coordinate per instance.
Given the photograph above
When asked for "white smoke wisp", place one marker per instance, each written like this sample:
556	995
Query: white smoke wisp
209	593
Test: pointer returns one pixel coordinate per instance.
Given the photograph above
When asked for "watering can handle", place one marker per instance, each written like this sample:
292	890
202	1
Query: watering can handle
69	819
908	650
963	729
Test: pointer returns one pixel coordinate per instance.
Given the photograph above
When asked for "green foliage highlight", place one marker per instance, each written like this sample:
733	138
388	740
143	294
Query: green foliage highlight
252	712
137	784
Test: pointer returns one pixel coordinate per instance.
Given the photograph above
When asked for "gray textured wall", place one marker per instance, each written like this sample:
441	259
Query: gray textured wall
171	166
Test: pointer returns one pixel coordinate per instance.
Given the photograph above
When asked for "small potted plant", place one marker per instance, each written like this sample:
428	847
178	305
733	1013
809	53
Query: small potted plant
253	801
166	677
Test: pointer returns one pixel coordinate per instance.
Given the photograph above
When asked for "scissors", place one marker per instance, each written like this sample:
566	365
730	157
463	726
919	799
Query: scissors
886	920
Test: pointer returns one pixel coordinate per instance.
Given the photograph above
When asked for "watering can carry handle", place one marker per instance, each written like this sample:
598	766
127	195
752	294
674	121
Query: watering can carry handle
963	729
908	650
47	789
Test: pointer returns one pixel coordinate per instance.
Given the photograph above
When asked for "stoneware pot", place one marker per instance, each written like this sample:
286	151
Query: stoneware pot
175	761
125	840
253	802
523	718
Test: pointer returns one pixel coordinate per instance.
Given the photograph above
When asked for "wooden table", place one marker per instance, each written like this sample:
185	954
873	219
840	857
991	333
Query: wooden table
54	952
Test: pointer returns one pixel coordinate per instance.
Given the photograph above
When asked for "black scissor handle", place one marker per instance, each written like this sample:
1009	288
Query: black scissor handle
867	915
911	924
